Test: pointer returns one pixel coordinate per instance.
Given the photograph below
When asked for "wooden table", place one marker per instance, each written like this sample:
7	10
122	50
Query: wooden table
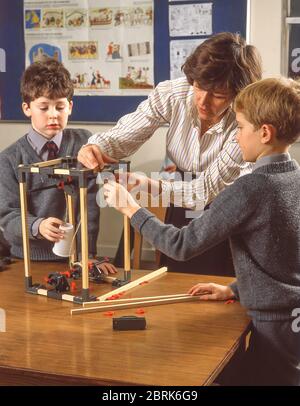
184	344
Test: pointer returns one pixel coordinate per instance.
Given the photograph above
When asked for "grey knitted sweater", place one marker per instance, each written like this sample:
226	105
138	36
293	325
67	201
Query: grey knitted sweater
260	213
46	203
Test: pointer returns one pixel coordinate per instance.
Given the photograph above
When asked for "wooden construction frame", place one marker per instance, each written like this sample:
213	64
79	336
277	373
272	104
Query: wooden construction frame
58	168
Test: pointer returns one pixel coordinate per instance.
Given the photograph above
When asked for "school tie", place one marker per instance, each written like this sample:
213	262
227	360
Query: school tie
52	149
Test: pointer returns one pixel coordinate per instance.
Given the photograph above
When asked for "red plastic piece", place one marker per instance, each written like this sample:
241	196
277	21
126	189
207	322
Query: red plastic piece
110	298
73	286
140	311
230	301
109	314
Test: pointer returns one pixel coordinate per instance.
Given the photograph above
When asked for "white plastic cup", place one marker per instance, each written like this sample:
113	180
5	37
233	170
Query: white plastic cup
62	247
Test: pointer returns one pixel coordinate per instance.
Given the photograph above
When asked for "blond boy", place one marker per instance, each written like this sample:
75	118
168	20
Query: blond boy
260	213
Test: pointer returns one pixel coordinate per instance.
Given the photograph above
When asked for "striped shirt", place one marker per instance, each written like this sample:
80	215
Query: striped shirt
214	158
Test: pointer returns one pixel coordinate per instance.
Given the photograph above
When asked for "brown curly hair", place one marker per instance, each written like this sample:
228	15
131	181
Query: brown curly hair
48	78
223	61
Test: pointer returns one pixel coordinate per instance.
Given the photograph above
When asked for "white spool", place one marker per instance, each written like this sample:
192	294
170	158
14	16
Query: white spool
62	247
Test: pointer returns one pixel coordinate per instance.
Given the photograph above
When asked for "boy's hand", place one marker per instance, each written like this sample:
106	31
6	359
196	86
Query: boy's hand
91	157
107	268
118	197
137	182
212	291
170	168
49	229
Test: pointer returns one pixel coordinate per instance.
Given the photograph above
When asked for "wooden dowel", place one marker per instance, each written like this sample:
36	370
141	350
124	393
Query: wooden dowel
48	163
71	220
25	232
127	266
133	284
84	238
133	299
122	306
109	279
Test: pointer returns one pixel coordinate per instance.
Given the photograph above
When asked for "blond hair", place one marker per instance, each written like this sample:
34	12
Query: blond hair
272	101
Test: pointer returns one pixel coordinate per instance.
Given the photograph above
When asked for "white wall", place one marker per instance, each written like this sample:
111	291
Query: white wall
265	32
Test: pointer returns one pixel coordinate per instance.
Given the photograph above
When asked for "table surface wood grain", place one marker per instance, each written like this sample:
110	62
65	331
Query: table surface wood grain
183	344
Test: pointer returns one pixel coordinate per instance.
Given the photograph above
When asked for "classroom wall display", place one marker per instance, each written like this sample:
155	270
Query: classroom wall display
229	15
107	46
179	51
190	19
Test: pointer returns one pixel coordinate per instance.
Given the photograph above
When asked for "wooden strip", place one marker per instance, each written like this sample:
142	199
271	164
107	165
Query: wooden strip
84	238
67	297
25	232
126	221
133	299
59	171
71	220
134	304
134	284
42	292
109	279
48	163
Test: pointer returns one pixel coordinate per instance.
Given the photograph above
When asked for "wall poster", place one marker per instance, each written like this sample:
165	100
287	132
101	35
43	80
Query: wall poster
106	45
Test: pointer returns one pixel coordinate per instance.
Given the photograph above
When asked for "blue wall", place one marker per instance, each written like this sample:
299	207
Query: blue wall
228	15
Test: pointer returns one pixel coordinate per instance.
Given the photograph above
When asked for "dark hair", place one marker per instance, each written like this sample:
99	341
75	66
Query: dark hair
223	61
48	78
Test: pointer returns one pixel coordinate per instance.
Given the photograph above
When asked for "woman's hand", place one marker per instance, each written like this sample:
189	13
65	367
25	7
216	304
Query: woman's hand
49	229
118	197
92	157
212	291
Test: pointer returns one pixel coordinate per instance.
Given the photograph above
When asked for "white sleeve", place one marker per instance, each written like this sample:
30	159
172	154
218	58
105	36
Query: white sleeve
222	172
134	129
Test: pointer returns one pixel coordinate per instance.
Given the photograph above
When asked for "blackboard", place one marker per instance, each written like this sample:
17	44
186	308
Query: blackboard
228	15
